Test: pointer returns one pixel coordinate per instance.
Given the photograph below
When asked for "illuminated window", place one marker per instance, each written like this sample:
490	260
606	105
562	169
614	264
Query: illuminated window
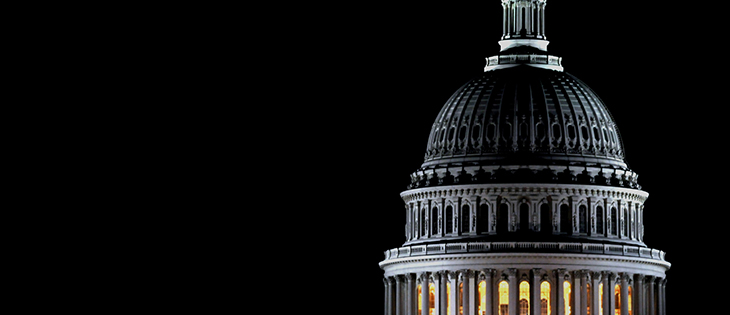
461	298
431	299
600	296
545	298
631	312
482	298
524	298
567	297
503	298
448	298
617	294
590	299
420	300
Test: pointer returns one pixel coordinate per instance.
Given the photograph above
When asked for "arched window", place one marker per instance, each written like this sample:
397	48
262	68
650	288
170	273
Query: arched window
424	226
589	297
614	221
565	219
448	298
617	294
503	298
524	217
420	299
461	298
465	218
582	219
545	298
483	218
631	311
545	220
449	219
434	221
503	218
599	220
524	298
482	307
567	298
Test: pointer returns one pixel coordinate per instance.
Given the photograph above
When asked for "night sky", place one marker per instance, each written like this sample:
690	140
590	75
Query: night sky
388	79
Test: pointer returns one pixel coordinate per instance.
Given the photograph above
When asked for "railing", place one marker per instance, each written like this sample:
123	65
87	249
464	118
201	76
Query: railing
494	247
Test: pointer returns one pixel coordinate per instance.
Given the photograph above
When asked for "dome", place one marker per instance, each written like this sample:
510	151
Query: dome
525	115
522	120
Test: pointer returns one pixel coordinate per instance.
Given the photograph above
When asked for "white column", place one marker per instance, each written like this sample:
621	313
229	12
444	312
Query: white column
638	294
625	294
514	290
535	292
578	306
471	294
443	299
385	296
662	296
424	294
609	298
454	292
488	273
398	295
595	293
650	301
582	309
390	302
411	298
560	291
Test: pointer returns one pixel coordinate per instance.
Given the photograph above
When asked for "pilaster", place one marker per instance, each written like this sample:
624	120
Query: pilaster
625	293
514	291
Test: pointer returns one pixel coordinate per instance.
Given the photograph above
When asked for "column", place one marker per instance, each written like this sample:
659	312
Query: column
398	295
609	298
638	295
424	294
443	300
489	306
625	294
514	290
595	293
578	293
582	309
470	293
390	303
439	294
535	292
411	298
454	292
560	291
385	296
650	301
662	296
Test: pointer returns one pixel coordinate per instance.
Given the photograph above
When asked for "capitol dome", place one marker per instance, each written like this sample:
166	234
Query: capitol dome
524	203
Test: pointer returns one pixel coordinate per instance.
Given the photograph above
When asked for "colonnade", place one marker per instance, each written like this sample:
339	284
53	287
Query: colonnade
524	292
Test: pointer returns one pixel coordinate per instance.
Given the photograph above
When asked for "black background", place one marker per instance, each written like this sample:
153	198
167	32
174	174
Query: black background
386	71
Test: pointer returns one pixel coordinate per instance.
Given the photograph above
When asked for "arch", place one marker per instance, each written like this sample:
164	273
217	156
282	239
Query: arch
503	218
631	302
524	298
614	220
566	219
503	293
600	299
465	217
545	218
524	217
545	298
431	297
449	213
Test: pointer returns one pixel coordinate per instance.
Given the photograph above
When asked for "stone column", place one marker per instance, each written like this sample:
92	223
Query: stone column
582	292
609	298
487	274
438	293
638	295
470	293
454	292
535	292
662	296
410	300
625	294
398	295
514	290
595	293
650	301
390	301
560	291
385	296
424	294
444	288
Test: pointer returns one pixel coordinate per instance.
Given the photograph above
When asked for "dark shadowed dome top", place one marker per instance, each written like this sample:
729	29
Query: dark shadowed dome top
525	116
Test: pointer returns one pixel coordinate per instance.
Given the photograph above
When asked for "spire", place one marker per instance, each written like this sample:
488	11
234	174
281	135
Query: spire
523	24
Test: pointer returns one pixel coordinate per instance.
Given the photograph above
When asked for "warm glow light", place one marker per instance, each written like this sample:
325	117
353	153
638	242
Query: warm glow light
524	298
545	298
600	294
566	298
432	299
448	298
482	298
420	301
617	292
503	298
630	302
